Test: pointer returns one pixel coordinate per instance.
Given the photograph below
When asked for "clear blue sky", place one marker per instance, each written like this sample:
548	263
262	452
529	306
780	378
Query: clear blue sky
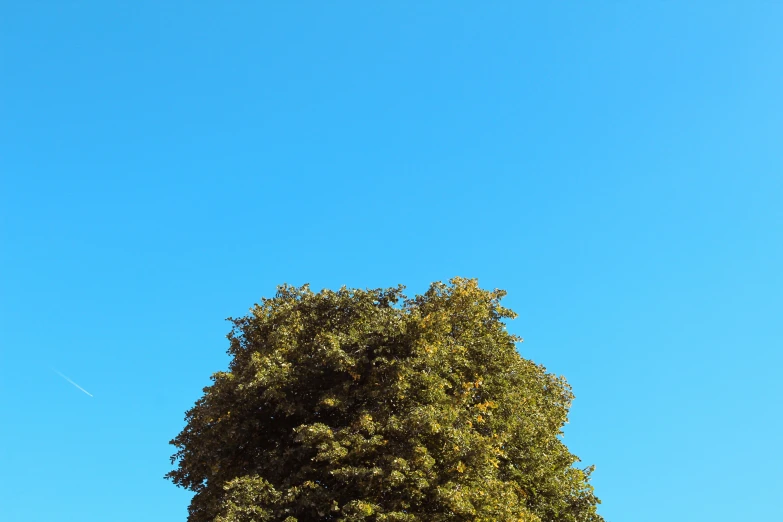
616	166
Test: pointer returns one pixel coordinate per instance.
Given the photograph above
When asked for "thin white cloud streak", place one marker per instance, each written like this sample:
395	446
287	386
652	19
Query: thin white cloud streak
69	380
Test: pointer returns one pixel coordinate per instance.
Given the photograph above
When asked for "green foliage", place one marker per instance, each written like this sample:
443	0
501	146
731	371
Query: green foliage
363	405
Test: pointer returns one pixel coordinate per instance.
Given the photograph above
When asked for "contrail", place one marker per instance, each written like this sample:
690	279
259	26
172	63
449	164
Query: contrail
69	380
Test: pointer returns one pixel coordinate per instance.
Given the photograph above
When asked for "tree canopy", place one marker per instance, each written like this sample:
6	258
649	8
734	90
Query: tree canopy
365	405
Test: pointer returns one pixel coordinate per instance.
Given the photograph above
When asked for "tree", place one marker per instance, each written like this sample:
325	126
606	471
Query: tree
365	405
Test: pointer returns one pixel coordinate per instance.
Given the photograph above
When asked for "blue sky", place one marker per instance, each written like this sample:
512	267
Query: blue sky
616	166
